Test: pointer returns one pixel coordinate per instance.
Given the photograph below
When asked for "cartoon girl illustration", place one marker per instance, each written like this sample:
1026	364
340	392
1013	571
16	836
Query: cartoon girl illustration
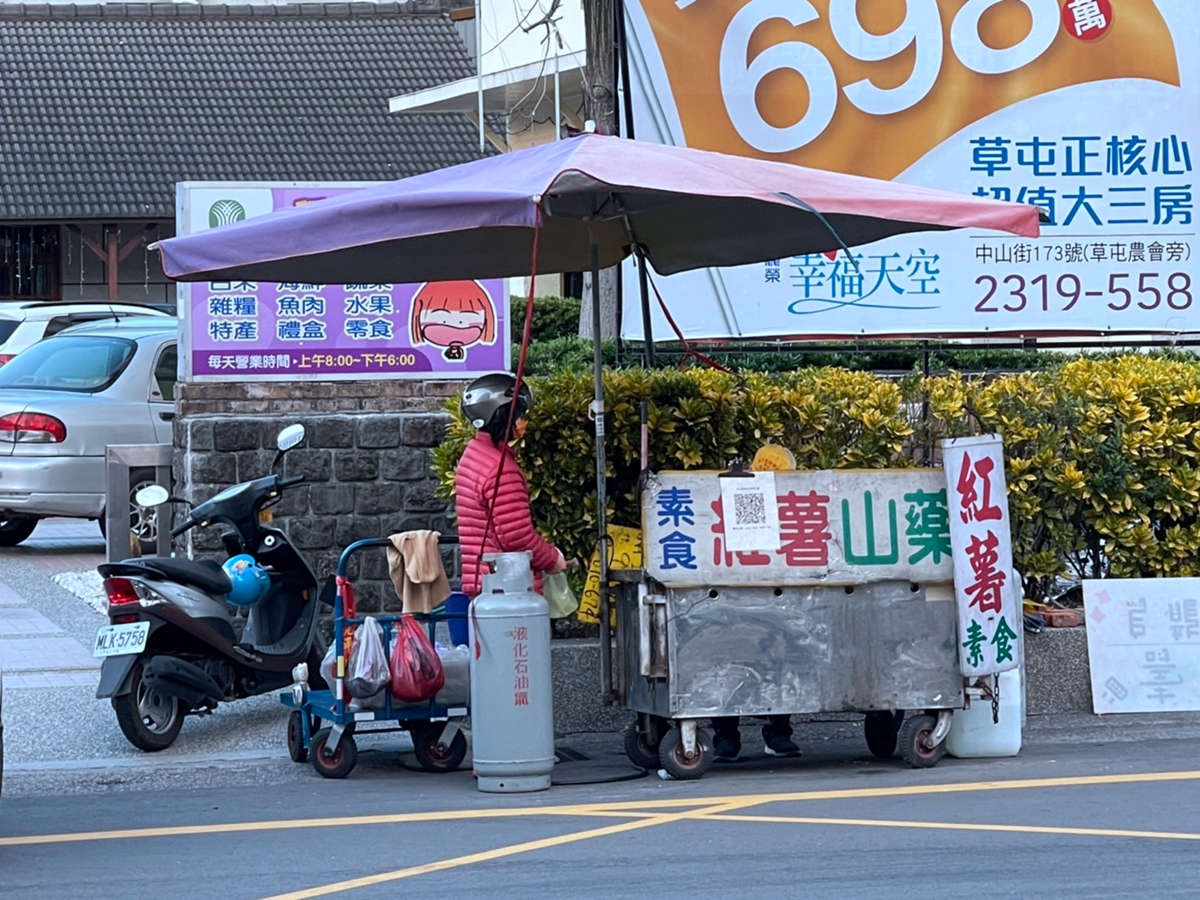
453	315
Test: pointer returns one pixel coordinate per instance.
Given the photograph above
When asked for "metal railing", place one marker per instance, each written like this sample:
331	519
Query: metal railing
119	461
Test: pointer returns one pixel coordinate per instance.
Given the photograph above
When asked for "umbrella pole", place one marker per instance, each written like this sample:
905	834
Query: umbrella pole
647	328
601	502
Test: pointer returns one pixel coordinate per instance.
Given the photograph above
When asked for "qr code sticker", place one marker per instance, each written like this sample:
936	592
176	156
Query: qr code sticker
749	508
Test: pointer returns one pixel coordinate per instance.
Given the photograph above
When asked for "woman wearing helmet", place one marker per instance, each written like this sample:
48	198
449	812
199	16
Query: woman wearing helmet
495	517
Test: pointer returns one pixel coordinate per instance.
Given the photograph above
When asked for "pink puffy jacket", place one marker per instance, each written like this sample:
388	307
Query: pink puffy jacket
512	523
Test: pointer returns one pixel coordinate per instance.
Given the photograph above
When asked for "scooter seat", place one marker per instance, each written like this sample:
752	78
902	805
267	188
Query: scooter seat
202	573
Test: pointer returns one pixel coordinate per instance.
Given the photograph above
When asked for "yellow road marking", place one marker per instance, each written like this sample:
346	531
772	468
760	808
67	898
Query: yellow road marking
583	810
597	809
502	852
962	826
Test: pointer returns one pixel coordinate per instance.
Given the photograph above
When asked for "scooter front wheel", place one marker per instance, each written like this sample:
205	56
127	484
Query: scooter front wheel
149	719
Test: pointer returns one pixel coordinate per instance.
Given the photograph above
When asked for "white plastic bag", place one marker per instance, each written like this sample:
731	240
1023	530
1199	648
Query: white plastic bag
328	668
367	668
456	663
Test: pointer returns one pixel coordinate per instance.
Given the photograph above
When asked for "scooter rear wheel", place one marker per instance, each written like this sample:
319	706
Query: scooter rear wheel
149	719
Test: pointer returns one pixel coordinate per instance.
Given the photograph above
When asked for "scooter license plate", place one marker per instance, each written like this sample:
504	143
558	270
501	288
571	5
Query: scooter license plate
121	640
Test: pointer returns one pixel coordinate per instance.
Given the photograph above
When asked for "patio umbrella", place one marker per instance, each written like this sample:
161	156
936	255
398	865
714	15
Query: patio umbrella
575	205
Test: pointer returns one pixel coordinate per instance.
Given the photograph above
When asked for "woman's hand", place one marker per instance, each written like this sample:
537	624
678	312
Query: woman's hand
560	564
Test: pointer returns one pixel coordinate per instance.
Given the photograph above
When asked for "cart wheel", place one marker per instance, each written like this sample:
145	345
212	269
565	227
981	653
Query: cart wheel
641	750
433	755
340	762
912	742
880	729
672	758
295	737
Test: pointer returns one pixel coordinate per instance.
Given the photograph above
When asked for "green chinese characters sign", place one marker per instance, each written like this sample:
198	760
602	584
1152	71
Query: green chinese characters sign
834	527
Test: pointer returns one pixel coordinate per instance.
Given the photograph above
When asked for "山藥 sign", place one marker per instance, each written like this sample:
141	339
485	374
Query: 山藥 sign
989	609
250	331
1088	109
833	527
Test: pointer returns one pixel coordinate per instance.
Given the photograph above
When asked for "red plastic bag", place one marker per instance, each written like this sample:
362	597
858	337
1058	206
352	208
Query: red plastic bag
417	673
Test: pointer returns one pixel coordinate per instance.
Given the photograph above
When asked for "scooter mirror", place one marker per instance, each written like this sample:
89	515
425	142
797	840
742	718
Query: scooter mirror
152	495
290	437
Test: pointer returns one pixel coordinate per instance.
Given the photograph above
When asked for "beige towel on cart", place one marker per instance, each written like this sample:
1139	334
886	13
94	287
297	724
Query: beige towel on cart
415	564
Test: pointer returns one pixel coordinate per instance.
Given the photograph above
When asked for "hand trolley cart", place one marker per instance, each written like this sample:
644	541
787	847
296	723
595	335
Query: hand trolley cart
322	724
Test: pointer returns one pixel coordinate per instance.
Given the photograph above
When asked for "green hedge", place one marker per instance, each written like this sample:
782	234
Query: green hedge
1103	454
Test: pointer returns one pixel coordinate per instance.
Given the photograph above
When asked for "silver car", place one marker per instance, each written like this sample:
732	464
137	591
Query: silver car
63	401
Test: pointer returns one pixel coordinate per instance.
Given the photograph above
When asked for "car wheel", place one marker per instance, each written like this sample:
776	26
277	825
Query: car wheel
14	529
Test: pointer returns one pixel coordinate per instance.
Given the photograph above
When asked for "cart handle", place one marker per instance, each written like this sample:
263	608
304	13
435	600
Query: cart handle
344	559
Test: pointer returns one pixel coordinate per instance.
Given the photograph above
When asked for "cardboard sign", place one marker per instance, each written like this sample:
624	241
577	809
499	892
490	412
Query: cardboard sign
1143	639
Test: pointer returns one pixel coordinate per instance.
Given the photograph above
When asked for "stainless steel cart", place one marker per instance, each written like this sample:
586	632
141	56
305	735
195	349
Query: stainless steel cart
854	612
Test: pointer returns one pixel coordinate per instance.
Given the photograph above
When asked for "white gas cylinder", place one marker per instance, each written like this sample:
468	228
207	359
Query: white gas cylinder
512	714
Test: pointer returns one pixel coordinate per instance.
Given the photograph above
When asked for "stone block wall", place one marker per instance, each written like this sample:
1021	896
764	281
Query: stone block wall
365	460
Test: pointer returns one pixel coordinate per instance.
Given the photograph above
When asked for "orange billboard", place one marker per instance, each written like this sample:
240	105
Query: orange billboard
870	87
1086	108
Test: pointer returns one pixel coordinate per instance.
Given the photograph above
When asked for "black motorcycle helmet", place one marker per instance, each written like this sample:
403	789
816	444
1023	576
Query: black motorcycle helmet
486	401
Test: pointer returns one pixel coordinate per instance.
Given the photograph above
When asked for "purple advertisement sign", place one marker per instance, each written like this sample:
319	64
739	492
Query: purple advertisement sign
278	332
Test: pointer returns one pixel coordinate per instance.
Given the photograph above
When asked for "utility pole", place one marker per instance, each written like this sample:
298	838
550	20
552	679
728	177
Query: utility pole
600	106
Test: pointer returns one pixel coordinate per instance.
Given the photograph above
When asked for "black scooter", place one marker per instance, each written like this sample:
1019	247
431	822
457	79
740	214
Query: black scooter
172	648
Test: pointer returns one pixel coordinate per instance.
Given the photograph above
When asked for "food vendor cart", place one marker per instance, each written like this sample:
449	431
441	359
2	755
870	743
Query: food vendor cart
836	597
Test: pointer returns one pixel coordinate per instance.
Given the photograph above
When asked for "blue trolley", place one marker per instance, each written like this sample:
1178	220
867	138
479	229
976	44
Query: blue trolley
321	727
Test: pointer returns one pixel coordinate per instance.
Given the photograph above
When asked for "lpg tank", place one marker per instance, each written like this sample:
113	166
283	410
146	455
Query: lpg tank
512	715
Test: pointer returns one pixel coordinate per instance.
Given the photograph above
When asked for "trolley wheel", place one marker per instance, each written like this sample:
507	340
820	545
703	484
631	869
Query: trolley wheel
672	758
340	762
880	730
295	737
432	754
912	742
641	749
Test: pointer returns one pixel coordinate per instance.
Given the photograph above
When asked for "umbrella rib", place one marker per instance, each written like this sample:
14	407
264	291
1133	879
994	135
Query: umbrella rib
808	207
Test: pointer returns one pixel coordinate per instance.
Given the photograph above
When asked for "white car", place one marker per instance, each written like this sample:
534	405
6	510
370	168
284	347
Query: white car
64	400
23	324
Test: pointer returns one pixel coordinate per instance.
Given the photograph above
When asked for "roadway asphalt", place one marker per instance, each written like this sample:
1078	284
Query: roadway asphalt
1090	808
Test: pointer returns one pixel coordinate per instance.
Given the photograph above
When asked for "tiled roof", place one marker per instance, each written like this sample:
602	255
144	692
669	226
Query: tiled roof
104	107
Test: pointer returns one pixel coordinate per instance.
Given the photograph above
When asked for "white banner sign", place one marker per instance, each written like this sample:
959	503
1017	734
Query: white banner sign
1086	108
1143	639
833	527
989	614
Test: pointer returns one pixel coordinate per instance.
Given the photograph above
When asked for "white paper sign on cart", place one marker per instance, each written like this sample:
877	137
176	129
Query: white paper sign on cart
753	520
989	611
1143	639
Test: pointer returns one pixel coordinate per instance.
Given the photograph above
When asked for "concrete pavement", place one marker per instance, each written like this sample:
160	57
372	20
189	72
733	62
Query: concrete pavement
1105	823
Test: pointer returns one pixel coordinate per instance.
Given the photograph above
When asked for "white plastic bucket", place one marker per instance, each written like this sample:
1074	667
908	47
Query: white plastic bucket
973	734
